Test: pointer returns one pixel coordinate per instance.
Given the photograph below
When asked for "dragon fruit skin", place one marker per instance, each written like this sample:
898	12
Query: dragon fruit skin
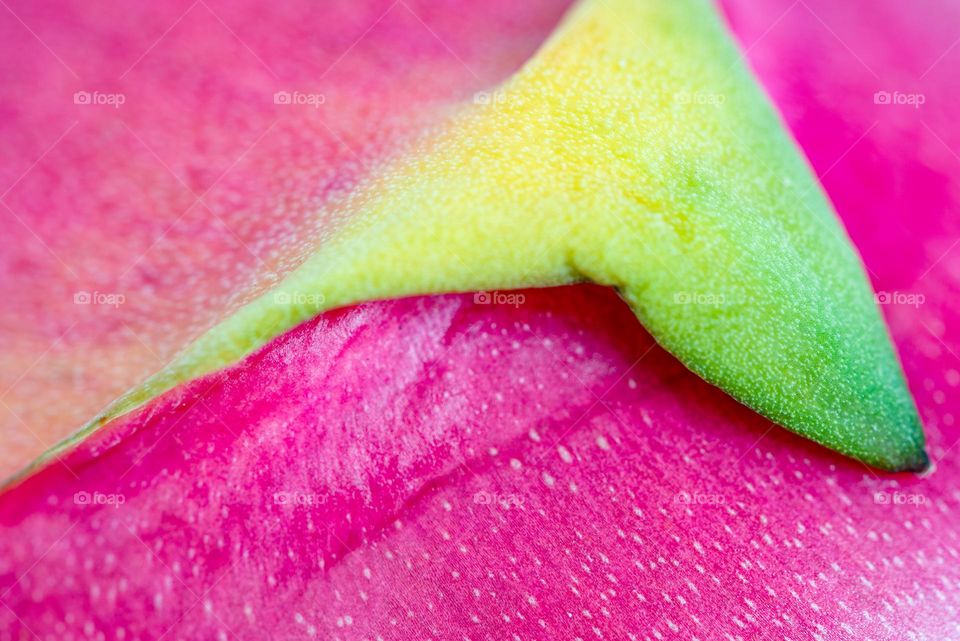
437	468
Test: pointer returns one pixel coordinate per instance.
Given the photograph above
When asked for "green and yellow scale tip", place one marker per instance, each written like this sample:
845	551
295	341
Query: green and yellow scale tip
634	150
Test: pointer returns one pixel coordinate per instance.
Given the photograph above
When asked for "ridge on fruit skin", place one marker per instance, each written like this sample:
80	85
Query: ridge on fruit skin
634	150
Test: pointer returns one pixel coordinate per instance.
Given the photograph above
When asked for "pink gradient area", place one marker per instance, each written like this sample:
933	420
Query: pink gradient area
178	189
439	469
436	468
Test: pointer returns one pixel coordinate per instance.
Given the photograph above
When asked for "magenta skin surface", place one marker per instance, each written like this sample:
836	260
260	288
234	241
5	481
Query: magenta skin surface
434	468
394	458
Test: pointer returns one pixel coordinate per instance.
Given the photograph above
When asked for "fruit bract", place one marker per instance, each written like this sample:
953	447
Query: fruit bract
653	165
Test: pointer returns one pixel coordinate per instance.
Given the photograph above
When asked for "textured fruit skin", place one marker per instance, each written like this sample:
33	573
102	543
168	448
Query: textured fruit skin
462	462
634	150
803	546
103	199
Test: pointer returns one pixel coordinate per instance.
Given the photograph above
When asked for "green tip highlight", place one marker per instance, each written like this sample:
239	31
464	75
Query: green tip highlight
634	150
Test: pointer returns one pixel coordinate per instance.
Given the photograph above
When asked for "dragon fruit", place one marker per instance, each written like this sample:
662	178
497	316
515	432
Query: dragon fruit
461	466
